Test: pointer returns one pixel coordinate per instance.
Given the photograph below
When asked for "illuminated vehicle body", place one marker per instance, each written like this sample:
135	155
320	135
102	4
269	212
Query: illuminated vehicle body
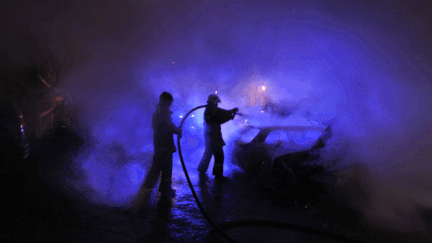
14	144
275	143
283	166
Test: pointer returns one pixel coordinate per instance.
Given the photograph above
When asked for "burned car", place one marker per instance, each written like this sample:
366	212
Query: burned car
273	154
14	144
270	142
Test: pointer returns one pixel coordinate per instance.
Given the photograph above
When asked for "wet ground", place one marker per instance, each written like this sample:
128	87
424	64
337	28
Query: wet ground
39	208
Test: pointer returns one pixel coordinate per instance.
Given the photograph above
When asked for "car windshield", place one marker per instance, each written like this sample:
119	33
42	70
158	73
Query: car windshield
248	134
300	137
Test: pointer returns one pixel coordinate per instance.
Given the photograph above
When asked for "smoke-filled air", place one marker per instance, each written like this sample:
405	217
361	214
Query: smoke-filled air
363	67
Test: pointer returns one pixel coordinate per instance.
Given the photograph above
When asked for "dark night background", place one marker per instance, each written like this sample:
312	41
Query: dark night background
365	64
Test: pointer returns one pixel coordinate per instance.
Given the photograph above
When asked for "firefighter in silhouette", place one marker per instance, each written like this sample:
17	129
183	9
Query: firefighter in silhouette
163	141
213	118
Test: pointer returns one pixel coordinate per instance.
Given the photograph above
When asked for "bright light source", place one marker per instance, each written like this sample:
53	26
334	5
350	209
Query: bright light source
262	111
263	88
193	115
181	116
216	92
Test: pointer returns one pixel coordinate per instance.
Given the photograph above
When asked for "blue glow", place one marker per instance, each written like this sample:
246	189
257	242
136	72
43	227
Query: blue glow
113	185
136	173
111	131
321	62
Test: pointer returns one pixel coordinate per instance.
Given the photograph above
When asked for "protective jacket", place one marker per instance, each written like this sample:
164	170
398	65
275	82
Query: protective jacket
214	117
163	129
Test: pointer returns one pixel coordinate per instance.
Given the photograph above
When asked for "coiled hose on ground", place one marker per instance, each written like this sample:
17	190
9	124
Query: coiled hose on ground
250	222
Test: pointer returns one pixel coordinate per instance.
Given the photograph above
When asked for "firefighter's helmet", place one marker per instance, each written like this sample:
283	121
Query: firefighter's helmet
165	96
213	99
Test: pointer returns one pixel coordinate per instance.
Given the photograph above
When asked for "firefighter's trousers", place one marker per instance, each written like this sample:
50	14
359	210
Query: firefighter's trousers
217	152
162	163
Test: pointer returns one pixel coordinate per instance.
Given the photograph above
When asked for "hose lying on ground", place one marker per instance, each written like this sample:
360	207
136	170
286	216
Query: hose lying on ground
249	222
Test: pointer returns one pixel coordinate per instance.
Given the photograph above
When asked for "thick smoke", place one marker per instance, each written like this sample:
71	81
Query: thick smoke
363	67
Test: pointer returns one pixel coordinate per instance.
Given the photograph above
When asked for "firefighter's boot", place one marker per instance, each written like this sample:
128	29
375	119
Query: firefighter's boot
218	173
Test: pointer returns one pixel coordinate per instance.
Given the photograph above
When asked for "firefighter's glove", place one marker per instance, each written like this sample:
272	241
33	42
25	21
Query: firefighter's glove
234	111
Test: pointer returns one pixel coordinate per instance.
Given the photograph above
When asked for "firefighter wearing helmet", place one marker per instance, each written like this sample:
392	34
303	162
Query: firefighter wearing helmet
163	141
213	118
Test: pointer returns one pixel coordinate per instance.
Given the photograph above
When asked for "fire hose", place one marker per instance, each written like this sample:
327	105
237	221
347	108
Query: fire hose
249	222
